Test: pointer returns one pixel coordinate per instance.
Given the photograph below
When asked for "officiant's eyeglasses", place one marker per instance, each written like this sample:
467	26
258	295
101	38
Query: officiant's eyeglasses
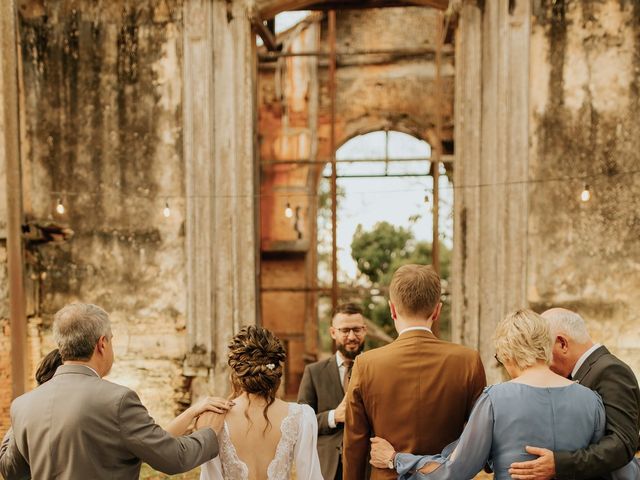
498	360
346	330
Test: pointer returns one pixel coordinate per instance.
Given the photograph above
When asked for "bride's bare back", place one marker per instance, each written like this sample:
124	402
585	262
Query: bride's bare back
252	447
255	446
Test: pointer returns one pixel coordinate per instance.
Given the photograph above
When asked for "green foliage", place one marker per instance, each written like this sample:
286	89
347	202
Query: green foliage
380	252
376	251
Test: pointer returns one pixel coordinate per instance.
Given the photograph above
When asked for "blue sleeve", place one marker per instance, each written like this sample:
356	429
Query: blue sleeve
472	450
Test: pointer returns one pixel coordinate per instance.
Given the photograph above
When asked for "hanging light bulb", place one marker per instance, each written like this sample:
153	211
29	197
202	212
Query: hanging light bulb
585	196
288	212
60	207
167	211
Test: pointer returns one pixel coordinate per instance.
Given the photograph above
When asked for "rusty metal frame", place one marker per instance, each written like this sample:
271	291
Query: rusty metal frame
334	167
270	8
400	52
437	147
443	159
268	38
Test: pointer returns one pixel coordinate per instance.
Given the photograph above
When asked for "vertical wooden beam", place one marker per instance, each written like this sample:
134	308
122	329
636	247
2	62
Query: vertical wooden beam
518	88
468	128
437	154
492	112
221	183
11	141
332	147
198	108
315	169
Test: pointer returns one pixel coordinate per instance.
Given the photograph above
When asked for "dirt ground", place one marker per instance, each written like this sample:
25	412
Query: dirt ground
148	473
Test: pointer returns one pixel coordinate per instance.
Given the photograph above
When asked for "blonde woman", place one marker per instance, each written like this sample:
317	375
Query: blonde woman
537	407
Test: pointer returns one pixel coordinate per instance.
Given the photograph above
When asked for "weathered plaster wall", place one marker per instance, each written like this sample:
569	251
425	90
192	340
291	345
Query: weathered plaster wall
585	106
102	115
396	91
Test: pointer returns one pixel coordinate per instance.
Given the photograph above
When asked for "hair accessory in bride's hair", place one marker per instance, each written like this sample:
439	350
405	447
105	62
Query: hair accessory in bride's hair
270	366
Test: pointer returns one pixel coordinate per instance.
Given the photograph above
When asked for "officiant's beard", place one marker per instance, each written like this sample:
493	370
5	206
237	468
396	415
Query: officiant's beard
350	354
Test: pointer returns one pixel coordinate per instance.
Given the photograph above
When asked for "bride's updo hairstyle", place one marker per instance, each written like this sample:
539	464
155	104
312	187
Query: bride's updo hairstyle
256	359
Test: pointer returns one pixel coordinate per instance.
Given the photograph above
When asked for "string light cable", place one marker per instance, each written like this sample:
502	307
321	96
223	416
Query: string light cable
585	195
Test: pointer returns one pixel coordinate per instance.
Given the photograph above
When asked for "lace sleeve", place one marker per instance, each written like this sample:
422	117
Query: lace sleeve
306	452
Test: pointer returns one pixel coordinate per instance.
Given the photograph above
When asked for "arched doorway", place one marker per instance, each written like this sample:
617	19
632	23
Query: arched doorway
385	218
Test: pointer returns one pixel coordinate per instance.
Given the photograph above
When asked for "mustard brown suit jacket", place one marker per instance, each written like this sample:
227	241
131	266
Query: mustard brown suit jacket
416	392
79	426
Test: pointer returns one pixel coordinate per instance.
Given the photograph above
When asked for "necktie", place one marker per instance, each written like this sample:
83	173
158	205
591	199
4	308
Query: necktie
347	375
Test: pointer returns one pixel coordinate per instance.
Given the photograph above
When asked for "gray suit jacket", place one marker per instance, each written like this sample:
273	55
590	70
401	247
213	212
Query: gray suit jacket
77	425
321	388
618	387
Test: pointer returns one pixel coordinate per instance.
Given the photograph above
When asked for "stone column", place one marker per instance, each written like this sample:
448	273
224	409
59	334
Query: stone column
491	204
221	183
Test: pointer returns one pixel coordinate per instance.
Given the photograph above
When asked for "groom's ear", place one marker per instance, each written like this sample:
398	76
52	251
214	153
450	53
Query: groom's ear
436	313
392	307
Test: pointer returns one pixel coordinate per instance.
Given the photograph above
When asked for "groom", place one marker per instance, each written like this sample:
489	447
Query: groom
419	390
78	425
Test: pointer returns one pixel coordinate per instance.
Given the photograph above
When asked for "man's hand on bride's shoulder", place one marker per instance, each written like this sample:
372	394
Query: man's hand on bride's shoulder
213	414
211	404
211	420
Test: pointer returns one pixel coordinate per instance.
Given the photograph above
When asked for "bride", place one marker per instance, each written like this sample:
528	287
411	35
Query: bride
263	438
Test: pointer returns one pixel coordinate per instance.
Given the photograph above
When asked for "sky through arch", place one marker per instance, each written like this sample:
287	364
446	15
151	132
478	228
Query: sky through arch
397	200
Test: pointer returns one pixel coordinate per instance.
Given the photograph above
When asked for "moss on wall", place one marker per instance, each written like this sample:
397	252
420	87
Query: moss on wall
584	255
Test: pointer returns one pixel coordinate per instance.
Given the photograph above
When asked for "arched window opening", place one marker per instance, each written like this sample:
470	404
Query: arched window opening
385	219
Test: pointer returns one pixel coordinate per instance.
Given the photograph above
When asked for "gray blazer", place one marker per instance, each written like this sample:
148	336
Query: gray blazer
321	388
78	425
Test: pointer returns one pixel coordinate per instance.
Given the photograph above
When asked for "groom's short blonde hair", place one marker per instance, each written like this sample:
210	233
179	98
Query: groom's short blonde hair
415	290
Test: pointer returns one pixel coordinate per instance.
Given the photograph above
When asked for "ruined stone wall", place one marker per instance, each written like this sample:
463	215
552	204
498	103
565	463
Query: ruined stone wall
102	132
585	105
395	90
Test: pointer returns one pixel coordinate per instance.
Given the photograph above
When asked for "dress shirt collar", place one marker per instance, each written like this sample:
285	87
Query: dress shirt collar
583	359
340	359
411	329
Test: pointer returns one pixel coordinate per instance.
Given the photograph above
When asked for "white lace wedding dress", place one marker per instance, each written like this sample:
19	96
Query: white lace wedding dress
297	446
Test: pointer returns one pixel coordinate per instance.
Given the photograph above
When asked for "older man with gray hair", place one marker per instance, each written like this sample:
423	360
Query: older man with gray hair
576	356
78	425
